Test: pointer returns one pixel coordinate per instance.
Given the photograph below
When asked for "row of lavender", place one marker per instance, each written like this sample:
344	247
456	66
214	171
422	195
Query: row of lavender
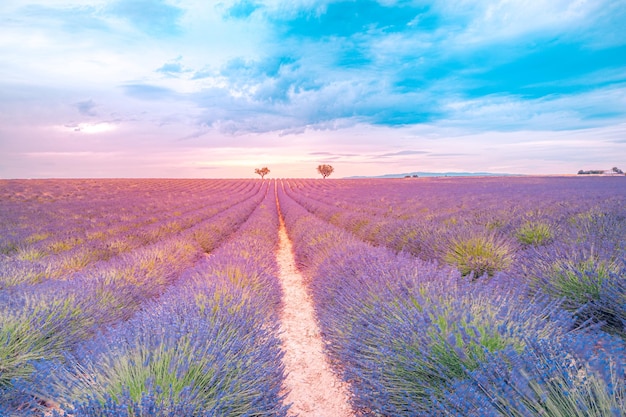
75	207
442	198
49	321
562	236
78	235
416	337
207	347
88	212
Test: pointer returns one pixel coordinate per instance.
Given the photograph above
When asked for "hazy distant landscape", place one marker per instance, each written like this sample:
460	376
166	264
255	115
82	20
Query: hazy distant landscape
436	174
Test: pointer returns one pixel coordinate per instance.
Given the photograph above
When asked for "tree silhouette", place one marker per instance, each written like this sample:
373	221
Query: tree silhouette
262	171
325	170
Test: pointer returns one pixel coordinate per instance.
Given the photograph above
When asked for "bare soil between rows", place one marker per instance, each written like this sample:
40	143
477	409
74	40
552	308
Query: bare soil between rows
313	390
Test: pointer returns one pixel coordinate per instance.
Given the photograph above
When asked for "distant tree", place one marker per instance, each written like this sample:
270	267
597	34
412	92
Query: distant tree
617	170
591	172
325	170
262	171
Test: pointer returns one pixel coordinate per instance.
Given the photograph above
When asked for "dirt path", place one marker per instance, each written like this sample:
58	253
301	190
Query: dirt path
314	391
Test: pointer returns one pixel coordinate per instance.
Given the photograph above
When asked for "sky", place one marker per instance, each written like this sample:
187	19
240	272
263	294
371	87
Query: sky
215	89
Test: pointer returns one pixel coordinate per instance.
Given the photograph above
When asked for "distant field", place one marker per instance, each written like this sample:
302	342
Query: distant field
435	296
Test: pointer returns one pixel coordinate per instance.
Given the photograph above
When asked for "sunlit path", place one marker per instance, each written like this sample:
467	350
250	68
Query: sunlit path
314	391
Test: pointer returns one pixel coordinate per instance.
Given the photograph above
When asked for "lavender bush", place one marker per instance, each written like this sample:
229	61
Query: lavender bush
205	349
404	332
548	378
435	297
109	293
208	346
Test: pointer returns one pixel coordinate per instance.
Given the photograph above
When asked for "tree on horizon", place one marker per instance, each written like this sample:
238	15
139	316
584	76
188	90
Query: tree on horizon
262	171
325	170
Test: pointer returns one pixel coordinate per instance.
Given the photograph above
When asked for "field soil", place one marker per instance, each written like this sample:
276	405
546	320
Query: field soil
313	389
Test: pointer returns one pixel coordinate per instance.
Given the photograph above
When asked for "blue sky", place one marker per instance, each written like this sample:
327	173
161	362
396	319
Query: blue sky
177	88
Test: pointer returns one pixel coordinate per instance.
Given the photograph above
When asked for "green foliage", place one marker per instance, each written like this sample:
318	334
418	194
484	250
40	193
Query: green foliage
580	281
41	331
29	254
401	240
64	245
545	383
459	347
495	224
140	368
240	277
36	237
32	274
479	255
534	233
8	248
118	246
153	264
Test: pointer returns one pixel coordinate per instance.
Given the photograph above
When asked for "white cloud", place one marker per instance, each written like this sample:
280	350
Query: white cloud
89	128
106	83
560	112
489	22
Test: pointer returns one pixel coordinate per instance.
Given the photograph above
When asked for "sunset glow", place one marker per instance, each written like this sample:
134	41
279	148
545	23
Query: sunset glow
216	89
90	128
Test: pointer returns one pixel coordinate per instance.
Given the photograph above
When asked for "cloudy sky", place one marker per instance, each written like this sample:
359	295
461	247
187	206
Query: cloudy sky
201	88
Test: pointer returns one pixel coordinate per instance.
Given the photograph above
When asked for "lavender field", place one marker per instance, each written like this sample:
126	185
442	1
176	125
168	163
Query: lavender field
501	296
